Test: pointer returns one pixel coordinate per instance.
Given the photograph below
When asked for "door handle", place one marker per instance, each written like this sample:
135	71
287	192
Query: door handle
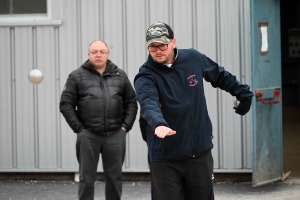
260	95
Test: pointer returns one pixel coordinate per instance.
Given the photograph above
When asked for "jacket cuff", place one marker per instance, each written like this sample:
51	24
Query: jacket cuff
126	127
161	124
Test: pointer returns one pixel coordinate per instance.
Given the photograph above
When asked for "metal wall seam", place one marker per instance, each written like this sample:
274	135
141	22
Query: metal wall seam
57	97
147	21
125	68
79	32
219	96
13	96
171	13
101	23
35	101
194	24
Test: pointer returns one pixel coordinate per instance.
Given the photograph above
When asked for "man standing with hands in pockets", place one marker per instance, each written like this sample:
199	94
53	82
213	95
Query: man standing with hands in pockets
99	104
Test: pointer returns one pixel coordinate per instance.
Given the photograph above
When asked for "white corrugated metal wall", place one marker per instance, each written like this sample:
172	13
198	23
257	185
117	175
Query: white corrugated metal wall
34	136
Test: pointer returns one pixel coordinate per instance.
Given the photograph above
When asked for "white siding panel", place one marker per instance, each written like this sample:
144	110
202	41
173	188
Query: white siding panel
24	98
135	52
70	59
183	23
206	28
112	31
206	43
158	10
246	78
230	58
90	13
6	101
46	93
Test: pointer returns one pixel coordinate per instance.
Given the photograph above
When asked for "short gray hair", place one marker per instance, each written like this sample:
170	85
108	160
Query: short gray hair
98	41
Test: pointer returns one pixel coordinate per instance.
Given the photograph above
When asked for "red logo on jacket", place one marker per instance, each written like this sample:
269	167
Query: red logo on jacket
192	80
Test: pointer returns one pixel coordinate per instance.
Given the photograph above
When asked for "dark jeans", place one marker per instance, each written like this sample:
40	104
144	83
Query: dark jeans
191	177
112	148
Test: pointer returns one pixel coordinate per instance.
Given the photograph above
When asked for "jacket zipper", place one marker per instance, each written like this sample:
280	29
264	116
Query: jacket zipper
104	101
189	116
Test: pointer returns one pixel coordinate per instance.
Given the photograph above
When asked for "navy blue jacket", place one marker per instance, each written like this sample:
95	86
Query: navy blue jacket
174	97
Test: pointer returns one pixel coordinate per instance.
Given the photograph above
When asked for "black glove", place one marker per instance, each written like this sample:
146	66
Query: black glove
244	106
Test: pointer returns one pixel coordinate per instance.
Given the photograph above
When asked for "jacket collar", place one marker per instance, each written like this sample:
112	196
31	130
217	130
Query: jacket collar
110	67
151	62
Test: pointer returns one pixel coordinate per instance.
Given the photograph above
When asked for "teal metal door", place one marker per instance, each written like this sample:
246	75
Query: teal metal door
266	83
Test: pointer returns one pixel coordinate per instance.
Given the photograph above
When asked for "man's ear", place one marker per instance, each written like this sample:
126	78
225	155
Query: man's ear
174	43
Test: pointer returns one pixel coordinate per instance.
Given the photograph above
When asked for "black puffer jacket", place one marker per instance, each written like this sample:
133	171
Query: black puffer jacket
99	103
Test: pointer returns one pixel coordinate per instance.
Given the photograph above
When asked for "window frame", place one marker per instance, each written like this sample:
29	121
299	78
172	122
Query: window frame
51	18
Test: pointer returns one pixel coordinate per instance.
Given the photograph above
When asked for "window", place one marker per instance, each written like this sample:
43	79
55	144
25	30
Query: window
12	7
30	13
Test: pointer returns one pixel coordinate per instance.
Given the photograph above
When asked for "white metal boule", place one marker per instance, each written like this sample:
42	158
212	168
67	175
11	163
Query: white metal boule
35	76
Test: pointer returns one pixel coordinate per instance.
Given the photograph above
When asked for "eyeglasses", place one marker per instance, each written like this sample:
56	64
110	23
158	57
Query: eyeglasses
162	47
94	53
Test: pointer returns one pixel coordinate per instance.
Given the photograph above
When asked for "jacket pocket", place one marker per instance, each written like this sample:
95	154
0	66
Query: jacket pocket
167	144
91	109
158	146
115	108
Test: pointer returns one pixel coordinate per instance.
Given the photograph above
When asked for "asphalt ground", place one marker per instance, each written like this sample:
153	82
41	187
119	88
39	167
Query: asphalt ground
67	190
